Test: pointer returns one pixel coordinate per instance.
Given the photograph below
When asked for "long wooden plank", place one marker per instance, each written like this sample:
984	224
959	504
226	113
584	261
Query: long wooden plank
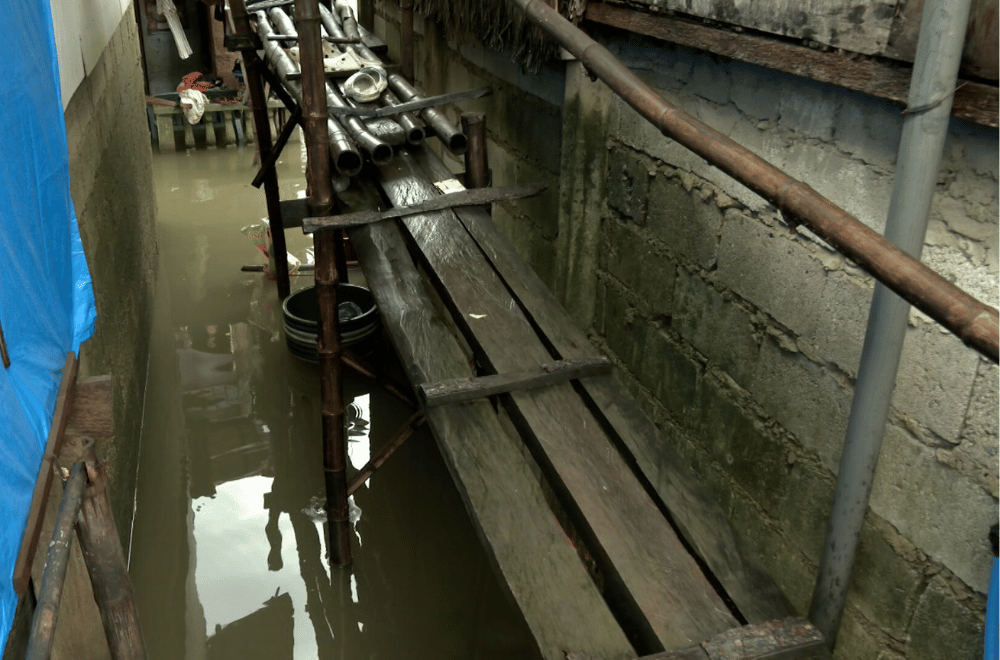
973	101
698	515
473	197
467	389
92	412
43	484
656	586
528	548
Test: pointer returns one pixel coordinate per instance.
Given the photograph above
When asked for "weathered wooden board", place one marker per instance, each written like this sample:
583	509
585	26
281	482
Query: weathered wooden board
468	389
92	412
559	601
699	517
654	584
975	102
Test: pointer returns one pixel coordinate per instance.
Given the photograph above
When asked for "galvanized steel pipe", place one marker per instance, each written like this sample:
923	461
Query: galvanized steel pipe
935	70
974	322
446	132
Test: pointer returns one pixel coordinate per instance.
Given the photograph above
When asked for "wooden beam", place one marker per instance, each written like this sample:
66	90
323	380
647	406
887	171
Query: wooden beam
92	412
43	484
469	389
701	519
477	197
973	101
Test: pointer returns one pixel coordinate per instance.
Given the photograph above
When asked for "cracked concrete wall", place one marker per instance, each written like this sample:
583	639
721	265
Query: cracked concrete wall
741	337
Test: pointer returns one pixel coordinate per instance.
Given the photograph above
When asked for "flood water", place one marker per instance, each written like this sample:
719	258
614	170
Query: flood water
228	554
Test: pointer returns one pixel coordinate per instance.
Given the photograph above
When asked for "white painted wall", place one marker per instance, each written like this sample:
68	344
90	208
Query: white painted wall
83	29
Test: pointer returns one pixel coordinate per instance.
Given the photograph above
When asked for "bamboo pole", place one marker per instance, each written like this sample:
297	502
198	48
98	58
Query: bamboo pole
476	165
321	200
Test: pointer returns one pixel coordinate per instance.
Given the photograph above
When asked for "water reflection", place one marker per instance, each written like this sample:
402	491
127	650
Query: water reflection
229	549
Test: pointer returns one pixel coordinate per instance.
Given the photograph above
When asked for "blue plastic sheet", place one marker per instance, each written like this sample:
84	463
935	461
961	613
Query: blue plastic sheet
46	299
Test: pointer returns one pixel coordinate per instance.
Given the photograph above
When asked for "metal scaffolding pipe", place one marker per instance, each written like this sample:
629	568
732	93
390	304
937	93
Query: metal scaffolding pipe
346	157
974	322
43	624
414	128
446	132
321	200
935	70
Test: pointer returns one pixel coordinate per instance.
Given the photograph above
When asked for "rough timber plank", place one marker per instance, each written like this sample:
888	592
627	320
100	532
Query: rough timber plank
559	601
699	517
654	584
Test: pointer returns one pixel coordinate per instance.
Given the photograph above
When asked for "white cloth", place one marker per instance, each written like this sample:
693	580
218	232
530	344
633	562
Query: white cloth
193	104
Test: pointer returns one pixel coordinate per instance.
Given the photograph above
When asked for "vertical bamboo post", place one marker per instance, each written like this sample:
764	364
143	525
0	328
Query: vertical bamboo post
102	552
258	103
328	244
43	625
366	14
476	166
406	38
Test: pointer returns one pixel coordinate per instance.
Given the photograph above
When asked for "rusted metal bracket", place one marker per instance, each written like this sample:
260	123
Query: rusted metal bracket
85	408
410	106
468	389
286	132
476	197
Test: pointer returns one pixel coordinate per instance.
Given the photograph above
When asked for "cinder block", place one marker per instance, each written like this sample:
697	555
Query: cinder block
643	269
935	379
884	586
718	328
805	398
625	332
805	509
671	375
754	92
808	109
945	629
746	451
979	430
854	641
628	185
709	80
688	225
946	514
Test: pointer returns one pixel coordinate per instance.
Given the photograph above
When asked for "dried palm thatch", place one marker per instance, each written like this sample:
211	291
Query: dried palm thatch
500	25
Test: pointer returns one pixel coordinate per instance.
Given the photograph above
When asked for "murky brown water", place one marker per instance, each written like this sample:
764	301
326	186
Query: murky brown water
228	552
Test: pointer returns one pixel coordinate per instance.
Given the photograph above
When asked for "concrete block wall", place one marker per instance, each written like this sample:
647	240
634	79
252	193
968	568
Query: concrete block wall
111	183
741	338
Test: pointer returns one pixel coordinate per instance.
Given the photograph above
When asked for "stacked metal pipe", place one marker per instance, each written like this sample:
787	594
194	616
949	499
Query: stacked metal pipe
349	135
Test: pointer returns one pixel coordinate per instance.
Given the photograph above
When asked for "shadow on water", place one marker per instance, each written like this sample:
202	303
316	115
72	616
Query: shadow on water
228	551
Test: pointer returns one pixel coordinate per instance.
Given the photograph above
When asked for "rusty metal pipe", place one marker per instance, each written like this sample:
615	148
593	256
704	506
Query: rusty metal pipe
477	173
446	132
346	157
102	553
43	624
321	200
262	126
974	322
406	38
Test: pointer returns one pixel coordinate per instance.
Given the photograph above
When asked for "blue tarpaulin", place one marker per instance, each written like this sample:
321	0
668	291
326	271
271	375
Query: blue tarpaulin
46	299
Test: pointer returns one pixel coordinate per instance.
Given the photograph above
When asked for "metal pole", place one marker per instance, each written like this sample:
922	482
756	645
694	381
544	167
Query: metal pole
315	116
102	552
476	164
406	38
974	322
939	50
263	128
43	625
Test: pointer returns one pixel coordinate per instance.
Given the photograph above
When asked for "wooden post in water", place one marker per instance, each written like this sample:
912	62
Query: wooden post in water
263	128
477	173
102	552
327	244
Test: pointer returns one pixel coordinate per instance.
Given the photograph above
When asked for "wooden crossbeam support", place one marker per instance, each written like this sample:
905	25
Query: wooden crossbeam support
477	197
468	389
410	106
286	132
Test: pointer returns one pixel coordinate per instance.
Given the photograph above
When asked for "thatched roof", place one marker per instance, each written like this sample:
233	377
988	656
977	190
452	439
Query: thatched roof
500	25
